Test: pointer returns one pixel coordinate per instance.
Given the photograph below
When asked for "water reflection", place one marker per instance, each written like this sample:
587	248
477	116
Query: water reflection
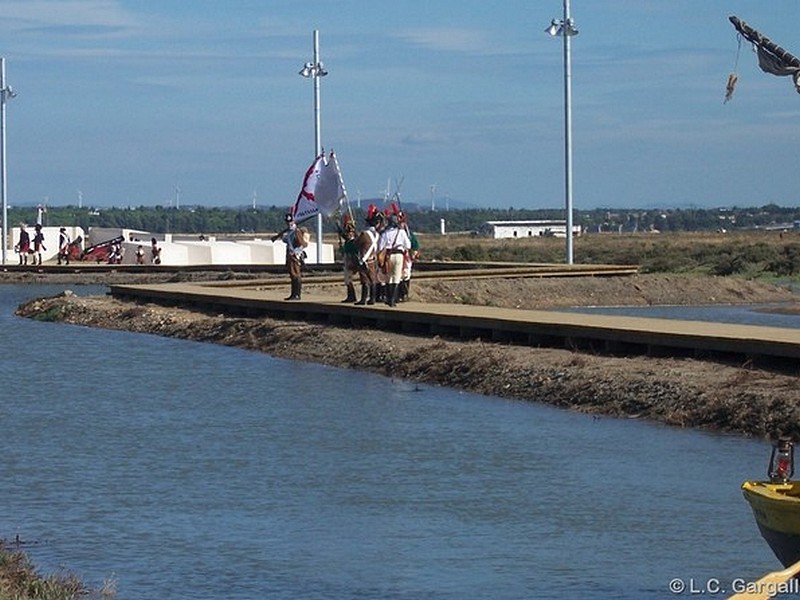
199	471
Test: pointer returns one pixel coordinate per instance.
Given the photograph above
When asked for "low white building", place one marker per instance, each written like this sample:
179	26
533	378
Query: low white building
185	250
528	229
50	250
176	249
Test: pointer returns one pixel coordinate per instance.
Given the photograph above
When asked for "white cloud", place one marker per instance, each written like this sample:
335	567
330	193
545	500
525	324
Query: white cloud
65	14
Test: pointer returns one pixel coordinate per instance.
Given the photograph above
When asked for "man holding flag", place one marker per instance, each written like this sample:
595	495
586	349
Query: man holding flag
296	240
322	193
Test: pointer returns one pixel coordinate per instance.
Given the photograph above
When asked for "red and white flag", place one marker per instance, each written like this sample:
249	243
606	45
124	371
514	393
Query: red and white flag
322	191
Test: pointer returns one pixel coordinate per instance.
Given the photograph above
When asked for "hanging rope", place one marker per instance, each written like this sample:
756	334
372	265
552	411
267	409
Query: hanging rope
733	78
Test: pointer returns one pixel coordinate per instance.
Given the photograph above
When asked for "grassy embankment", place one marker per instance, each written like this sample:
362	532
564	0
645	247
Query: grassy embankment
751	254
19	580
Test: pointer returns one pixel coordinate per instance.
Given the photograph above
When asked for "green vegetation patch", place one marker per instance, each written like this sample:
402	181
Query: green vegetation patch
52	314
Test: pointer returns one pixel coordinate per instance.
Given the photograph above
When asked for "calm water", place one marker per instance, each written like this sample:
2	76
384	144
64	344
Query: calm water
744	315
185	470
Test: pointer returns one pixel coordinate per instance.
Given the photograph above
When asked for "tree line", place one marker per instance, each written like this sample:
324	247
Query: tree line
200	219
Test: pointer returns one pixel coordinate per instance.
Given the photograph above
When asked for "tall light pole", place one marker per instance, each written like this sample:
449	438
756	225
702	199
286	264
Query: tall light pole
566	29
5	93
315	70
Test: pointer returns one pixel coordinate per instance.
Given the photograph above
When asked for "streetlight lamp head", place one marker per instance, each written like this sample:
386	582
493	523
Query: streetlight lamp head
307	70
569	28
321	72
554	29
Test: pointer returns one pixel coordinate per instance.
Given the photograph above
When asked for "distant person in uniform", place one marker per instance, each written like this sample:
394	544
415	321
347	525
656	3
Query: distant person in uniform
296	240
38	243
155	252
393	246
139	255
405	284
63	245
24	247
347	237
116	254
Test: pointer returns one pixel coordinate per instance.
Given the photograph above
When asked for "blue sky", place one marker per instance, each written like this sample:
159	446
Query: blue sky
123	100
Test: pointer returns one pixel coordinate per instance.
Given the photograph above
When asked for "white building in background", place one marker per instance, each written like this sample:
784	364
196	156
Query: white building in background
51	234
176	249
185	250
527	229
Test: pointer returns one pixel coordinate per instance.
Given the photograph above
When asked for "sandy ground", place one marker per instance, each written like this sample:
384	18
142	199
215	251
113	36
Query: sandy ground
678	392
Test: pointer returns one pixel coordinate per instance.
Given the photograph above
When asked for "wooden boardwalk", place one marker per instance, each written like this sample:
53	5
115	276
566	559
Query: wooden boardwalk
618	335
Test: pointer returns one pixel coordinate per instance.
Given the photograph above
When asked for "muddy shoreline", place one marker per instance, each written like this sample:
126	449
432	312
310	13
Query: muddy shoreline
676	392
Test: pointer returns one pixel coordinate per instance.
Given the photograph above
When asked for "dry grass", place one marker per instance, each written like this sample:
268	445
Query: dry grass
19	580
750	253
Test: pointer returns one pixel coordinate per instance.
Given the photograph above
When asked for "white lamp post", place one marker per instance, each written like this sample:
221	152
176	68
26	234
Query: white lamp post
566	29
315	70
5	92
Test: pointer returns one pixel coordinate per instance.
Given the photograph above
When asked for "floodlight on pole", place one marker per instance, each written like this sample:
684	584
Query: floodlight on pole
5	93
566	29
315	70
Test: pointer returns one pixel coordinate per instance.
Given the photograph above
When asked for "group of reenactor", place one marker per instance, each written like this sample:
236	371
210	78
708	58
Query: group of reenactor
379	257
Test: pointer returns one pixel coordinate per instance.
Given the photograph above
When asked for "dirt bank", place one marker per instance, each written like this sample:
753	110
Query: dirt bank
680	392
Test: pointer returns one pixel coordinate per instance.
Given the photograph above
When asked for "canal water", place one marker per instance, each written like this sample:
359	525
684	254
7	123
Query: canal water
766	315
188	470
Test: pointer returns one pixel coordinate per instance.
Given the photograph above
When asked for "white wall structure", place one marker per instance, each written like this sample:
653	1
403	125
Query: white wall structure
186	250
171	254
526	229
311	252
222	253
266	252
50	240
176	249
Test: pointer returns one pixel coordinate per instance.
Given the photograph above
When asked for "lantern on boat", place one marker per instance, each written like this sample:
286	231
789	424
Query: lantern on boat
781	462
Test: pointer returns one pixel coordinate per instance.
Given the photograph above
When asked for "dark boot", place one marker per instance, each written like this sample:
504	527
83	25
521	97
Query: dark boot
364	292
351	293
299	288
293	295
371	300
402	291
391	295
380	292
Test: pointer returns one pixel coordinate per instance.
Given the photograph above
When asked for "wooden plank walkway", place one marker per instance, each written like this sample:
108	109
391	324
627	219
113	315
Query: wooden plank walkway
619	335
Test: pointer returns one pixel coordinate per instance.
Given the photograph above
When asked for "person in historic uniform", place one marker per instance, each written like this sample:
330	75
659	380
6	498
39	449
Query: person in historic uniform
393	246
405	281
347	245
296	240
38	243
24	244
367	246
